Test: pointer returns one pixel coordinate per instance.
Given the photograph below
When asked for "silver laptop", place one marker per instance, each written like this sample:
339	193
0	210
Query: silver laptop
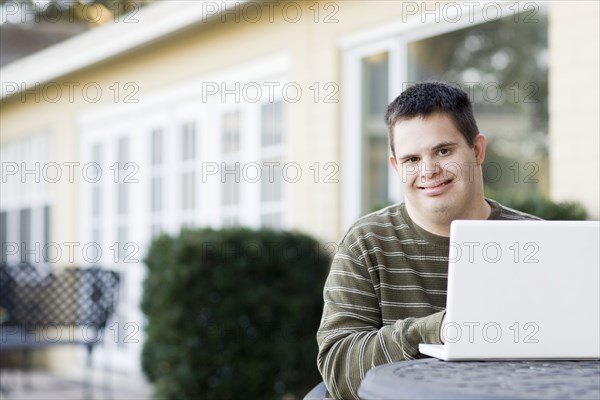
522	290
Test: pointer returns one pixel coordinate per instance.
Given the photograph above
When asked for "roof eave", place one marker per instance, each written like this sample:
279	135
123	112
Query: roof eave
97	45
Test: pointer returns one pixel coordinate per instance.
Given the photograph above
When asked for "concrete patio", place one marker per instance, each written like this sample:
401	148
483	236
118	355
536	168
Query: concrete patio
43	385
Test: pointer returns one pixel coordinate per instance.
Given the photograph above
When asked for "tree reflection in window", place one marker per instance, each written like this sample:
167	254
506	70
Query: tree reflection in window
503	66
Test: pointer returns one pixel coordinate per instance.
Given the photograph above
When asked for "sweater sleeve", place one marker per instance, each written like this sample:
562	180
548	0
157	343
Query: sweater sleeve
352	338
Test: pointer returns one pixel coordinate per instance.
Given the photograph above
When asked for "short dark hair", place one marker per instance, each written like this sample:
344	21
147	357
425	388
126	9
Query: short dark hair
426	98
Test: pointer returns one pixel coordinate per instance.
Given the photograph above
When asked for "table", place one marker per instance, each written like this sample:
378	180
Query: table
435	379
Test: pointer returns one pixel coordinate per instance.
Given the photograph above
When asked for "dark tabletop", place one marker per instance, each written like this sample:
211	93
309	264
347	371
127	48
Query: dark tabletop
435	379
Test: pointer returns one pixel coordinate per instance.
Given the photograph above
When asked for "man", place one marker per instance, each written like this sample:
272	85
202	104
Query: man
386	290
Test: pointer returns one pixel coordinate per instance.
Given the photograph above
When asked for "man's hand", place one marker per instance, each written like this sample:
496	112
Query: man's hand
442	326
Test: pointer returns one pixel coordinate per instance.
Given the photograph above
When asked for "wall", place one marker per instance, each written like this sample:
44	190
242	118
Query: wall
574	103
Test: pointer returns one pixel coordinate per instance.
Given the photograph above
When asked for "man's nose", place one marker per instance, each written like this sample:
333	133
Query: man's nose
429	168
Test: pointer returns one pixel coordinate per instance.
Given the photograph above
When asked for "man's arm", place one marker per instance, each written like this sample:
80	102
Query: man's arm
352	338
442	326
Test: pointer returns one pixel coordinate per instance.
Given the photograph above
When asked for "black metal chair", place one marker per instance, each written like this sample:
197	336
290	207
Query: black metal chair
32	301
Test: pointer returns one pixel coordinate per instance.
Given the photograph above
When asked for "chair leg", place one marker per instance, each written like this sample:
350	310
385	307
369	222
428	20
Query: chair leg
87	384
27	368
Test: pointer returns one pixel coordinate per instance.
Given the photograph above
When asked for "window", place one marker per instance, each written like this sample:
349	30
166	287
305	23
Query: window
271	189
123	164
271	220
25	243
188	141
188	175
156	194
3	237
122	238
272	149
156	146
96	187
46	231
24	209
97	193
503	66
272	123
374	132
231	182
157	189
231	185
231	132
188	190
123	155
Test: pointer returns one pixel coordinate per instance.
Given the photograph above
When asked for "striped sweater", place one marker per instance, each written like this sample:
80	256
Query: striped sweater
385	294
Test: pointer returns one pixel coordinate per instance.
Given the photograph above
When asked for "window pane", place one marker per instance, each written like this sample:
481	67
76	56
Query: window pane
97	153
122	187
231	132
272	123
96	190
156	150
96	236
503	66
374	132
96	200
188	184
122	234
232	220
123	152
122	198
271	188
3	237
46	233
230	187
156	194
271	220
25	234
188	141
155	230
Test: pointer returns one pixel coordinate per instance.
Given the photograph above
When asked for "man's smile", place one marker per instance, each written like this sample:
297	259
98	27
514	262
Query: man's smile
435	188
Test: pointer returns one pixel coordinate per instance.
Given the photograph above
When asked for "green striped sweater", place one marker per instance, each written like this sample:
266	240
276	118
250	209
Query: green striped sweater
385	294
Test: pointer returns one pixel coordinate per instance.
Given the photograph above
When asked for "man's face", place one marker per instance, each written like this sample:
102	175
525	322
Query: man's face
439	171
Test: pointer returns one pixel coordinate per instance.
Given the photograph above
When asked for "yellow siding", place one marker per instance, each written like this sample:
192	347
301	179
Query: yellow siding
574	102
314	128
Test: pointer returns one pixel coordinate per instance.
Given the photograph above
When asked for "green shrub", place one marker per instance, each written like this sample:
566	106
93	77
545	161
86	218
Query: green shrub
542	207
550	210
232	314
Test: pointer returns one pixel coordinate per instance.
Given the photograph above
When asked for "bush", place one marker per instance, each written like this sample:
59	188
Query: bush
550	210
542	207
233	314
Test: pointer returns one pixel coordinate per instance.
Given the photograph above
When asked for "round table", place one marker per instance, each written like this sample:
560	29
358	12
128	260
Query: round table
435	379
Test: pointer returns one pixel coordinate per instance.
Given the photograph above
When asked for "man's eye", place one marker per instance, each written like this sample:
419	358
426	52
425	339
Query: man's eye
444	152
412	159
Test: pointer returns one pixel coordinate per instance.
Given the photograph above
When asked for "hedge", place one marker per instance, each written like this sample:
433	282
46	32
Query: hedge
541	206
233	314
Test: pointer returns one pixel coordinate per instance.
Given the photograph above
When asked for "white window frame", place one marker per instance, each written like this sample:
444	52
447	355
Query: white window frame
31	191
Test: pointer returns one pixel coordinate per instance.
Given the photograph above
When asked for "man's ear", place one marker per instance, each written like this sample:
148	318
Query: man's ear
480	144
394	162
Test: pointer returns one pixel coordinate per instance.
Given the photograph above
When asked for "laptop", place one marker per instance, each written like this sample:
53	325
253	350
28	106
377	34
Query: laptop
522	290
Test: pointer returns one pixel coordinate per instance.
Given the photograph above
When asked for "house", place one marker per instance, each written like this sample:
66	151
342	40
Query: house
271	114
